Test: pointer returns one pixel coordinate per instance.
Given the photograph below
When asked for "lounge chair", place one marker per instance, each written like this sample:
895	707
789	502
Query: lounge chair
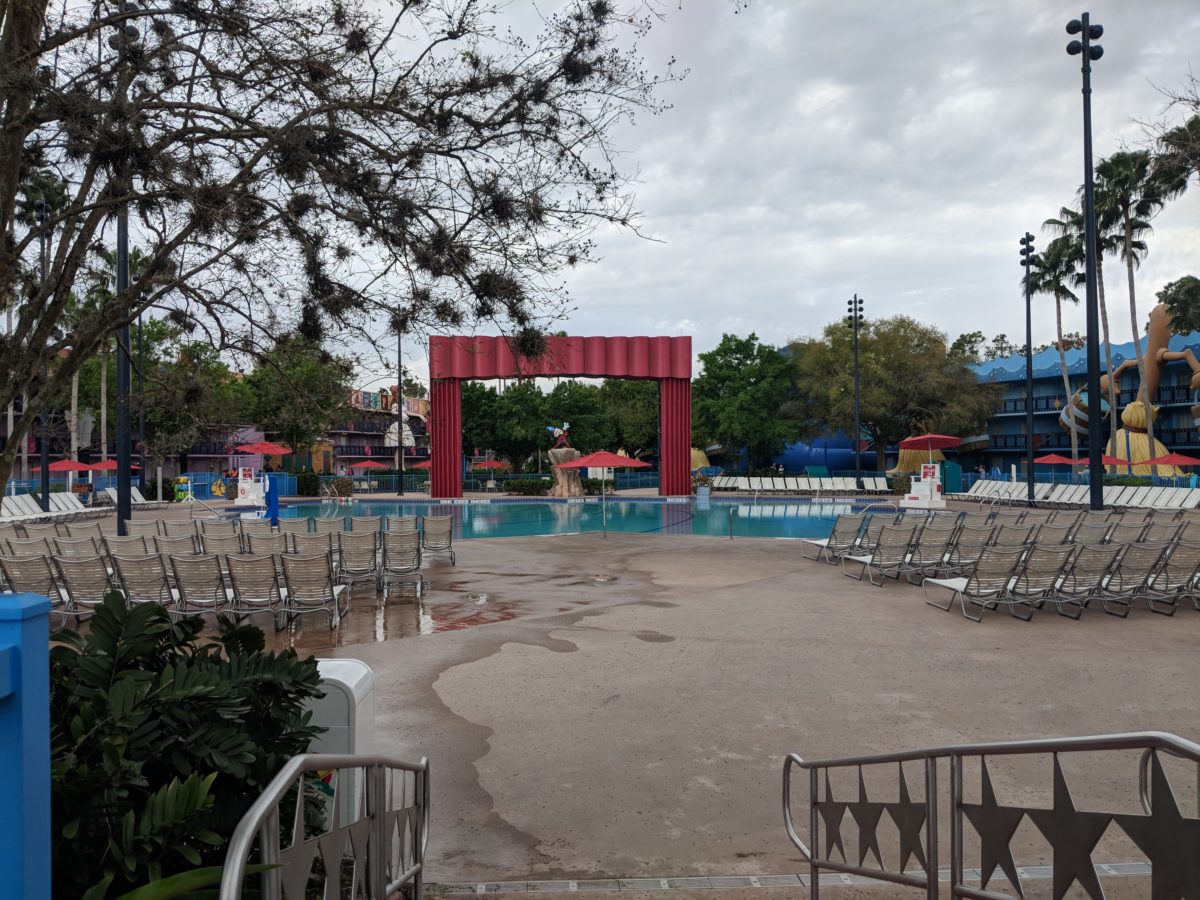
358	553
966	548
1041	573
928	555
1135	566
401	559
437	535
987	587
842	538
888	557
311	587
295	525
200	583
254	582
1173	580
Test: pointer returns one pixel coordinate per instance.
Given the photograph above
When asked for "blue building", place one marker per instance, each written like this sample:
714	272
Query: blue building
1005	447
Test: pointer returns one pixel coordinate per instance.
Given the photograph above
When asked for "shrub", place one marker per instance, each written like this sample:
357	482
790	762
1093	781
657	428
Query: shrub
1128	481
901	484
308	484
699	481
161	740
343	485
592	486
528	487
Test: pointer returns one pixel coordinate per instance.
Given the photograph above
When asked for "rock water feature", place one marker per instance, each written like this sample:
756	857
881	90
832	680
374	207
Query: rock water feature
566	481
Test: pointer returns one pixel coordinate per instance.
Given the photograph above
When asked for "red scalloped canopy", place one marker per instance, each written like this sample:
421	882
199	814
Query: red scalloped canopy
483	357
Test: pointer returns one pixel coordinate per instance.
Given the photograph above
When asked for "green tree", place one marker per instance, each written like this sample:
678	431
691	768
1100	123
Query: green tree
1182	300
969	347
263	148
299	391
480	411
189	394
739	397
909	382
1000	347
582	405
632	406
521	420
1056	271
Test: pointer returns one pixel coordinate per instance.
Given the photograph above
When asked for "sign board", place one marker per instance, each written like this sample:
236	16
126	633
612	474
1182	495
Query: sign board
929	472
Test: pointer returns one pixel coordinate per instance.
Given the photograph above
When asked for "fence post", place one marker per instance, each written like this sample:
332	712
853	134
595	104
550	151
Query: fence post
25	746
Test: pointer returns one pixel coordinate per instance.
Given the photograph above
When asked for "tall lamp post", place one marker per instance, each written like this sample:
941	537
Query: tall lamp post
44	417
1029	261
127	35
400	409
854	317
1084	48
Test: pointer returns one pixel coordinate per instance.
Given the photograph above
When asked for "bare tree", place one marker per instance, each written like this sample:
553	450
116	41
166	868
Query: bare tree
290	165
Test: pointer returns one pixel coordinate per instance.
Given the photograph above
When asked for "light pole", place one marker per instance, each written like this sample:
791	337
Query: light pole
141	376
400	409
44	416
1029	261
126	36
1089	52
854	317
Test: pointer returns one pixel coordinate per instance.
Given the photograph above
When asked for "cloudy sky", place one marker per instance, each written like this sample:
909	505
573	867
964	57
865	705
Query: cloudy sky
898	150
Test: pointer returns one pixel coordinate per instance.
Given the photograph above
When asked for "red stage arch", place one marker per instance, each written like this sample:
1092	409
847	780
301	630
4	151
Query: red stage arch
667	360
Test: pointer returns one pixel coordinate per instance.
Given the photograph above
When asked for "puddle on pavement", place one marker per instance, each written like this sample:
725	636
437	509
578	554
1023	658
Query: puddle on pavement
449	606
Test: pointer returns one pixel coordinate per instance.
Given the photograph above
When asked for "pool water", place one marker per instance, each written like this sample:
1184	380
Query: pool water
526	519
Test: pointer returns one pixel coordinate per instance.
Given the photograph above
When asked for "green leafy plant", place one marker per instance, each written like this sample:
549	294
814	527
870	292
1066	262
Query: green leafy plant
593	486
901	484
308	484
528	487
161	738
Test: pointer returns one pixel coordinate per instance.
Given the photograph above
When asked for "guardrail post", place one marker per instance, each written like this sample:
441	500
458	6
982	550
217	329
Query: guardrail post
377	862
814	826
956	836
931	827
25	746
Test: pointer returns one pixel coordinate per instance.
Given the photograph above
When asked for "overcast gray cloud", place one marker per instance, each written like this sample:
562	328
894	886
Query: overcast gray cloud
894	149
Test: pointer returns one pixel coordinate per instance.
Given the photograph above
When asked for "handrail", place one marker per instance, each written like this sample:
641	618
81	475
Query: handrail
1133	740
261	824
192	508
1149	742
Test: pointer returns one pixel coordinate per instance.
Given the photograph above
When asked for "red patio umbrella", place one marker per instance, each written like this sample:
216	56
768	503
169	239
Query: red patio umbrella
67	465
110	465
369	464
265	448
1054	459
604	459
424	464
491	464
930	442
1169	459
1107	460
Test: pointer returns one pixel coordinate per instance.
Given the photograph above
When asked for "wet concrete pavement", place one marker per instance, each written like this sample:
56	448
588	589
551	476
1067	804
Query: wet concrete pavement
582	728
637	728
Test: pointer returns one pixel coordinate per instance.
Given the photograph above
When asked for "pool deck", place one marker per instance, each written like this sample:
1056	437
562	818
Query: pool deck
634	729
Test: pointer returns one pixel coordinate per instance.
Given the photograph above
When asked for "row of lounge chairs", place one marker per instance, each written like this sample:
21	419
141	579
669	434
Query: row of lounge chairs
1117	496
1022	566
182	568
137	501
64	506
789	485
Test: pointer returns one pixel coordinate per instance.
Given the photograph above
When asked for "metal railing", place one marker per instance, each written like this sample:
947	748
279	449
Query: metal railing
363	819
1072	832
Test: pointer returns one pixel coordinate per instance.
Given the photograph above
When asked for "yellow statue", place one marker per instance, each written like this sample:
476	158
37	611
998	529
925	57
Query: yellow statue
1132	442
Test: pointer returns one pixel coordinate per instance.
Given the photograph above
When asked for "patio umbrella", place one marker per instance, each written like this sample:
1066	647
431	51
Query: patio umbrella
66	465
369	464
110	465
1054	459
264	448
930	442
491	464
424	464
605	460
1169	459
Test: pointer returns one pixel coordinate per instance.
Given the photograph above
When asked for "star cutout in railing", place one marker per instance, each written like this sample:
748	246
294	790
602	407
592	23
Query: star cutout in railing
1168	839
995	825
866	816
910	819
1073	835
832	814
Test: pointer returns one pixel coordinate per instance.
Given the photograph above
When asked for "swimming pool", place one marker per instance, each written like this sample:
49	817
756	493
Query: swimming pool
524	518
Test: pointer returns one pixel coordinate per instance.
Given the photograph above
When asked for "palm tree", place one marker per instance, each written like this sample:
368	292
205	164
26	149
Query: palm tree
1058	267
1128	195
1070	224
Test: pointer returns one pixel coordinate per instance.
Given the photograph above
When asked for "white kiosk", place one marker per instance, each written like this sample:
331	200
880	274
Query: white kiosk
926	490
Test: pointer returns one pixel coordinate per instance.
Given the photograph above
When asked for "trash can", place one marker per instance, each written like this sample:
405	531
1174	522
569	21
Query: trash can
347	712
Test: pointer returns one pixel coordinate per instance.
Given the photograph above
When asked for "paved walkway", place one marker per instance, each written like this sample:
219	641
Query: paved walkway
637	728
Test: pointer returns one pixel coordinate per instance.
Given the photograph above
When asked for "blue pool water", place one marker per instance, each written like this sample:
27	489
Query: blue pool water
525	518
